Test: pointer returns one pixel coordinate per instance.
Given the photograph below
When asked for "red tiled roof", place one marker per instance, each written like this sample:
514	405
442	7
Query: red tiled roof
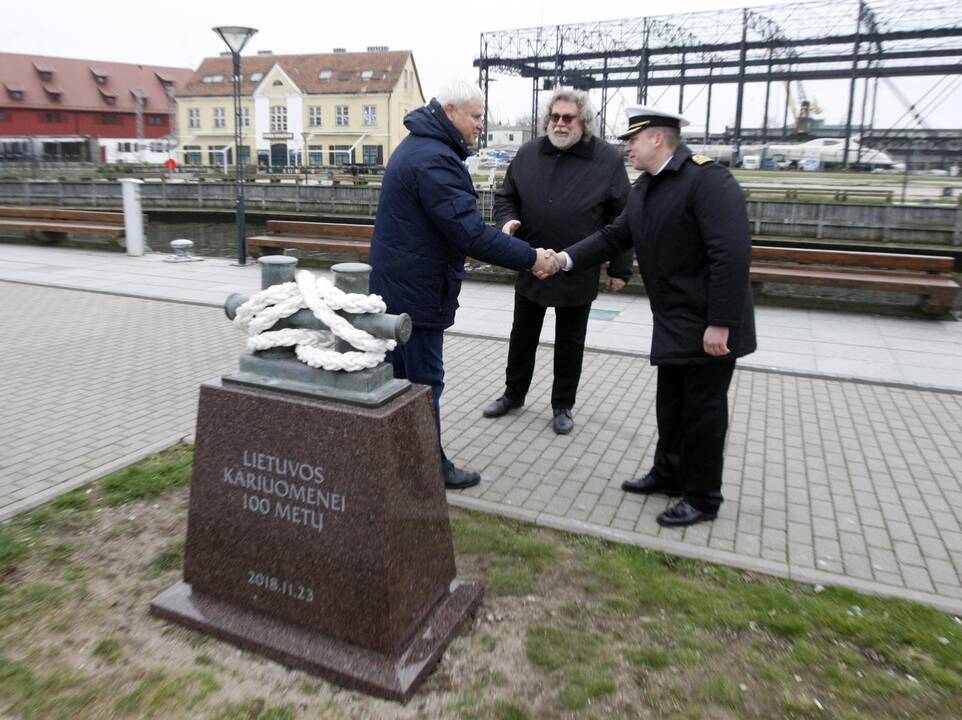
304	70
75	80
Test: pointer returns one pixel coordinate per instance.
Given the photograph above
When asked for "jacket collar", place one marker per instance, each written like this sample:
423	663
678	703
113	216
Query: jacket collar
682	153
580	149
432	121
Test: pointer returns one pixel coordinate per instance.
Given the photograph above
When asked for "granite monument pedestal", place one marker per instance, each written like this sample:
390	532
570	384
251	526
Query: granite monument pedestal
318	534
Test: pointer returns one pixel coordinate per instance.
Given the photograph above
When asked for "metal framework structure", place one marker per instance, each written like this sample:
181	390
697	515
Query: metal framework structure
820	40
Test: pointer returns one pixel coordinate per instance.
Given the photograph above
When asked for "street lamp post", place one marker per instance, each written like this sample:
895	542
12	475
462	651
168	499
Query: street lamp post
236	38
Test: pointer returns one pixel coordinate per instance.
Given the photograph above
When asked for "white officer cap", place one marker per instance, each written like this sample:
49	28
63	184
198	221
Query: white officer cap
644	116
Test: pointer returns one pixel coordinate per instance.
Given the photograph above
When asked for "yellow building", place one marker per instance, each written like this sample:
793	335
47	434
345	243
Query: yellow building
336	108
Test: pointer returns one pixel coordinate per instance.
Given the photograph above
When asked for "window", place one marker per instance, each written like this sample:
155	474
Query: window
51	117
3	116
277	83
340	155
157	147
314	116
16	94
315	154
212	79
324	75
278	118
367	74
193	118
490	137
155	120
510	137
370	116
110	99
407	80
257	77
244	155
217	156
342	117
245	117
220	117
109	119
192	155
372	154
345	75
46	75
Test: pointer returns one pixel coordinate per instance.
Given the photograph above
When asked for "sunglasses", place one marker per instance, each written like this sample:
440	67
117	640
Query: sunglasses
566	119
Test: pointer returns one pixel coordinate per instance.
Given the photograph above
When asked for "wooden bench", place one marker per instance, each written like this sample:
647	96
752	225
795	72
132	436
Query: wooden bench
927	276
55	224
325	237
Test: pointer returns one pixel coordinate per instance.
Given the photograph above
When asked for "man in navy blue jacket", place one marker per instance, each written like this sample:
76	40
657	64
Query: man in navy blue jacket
427	222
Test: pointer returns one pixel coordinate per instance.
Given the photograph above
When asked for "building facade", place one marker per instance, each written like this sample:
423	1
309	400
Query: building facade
64	109
327	109
507	137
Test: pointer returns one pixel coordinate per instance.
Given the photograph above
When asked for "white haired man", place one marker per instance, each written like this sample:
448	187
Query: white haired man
427	222
559	188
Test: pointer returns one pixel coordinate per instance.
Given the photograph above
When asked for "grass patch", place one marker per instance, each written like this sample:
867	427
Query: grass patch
507	710
168	559
12	549
55	692
28	603
108	649
152	477
158	695
651	658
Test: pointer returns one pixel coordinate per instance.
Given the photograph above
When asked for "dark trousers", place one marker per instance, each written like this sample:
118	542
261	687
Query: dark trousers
571	324
421	360
692	410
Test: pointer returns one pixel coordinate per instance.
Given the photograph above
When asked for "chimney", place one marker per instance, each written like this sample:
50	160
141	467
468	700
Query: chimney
340	50
263	52
377	48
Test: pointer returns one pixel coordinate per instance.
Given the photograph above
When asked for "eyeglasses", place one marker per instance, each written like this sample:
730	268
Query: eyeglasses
566	119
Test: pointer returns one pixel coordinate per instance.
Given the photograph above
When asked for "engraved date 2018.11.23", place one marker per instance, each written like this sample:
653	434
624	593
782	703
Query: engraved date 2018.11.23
273	584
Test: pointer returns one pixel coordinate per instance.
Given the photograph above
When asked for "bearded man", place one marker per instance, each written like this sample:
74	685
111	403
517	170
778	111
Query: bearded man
559	188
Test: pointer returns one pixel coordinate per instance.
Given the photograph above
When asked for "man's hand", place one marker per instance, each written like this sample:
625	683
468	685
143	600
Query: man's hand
715	341
547	264
615	284
511	227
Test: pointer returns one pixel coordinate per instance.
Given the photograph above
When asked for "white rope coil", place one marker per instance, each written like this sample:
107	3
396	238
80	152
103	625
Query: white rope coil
314	347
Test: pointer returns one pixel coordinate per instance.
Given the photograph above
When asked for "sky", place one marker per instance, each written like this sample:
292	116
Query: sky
444	37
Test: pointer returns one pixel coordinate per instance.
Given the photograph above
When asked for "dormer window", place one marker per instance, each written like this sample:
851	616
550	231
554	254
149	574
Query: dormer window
54	92
14	91
44	70
324	75
139	97
108	96
367	74
257	77
212	79
346	75
100	76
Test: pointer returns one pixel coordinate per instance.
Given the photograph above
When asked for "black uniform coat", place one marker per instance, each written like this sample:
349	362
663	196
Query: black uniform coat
560	196
689	227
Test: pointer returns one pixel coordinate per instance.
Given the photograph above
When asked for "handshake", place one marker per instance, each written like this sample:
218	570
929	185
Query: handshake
548	263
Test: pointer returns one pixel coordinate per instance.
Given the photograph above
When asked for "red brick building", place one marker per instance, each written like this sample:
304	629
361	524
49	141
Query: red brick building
63	109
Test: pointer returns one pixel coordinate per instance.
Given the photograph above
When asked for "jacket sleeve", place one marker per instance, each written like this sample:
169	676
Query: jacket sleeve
620	264
507	203
722	217
443	190
602	245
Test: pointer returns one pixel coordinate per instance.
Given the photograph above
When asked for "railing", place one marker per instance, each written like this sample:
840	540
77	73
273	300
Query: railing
873	222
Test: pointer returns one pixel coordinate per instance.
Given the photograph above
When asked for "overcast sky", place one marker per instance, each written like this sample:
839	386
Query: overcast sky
444	38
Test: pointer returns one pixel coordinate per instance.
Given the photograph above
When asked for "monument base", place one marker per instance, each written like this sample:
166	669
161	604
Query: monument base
394	677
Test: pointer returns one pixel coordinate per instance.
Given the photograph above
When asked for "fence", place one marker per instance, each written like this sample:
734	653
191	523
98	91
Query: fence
929	224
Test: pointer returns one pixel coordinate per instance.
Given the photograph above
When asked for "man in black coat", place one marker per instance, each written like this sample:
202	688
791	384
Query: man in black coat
427	222
687	220
559	188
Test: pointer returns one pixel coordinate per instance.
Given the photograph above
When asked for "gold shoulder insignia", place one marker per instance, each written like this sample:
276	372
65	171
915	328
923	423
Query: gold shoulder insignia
700	159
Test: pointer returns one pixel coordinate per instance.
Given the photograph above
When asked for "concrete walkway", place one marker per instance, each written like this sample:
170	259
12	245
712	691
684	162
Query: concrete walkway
843	464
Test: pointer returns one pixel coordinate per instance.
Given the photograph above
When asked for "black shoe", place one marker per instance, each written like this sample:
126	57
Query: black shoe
649	485
681	514
501	406
562	423
458	479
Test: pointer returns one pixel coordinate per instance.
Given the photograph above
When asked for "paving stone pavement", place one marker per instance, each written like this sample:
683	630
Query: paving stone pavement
826	481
